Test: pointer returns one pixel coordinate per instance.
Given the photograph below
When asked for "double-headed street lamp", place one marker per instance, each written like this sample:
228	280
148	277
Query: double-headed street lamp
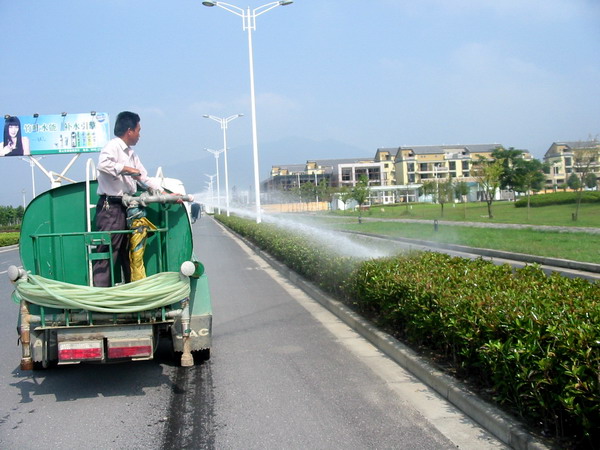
224	121
216	153
249	24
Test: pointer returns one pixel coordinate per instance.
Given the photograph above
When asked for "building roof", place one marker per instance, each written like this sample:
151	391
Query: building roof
322	163
440	149
578	144
290	167
573	145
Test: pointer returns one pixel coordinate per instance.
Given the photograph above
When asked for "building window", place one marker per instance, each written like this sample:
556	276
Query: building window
410	167
346	174
465	165
452	165
374	174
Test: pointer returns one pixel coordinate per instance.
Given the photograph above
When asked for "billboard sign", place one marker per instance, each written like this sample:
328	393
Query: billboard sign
54	134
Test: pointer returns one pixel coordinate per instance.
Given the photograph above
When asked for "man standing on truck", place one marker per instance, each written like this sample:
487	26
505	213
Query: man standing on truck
119	171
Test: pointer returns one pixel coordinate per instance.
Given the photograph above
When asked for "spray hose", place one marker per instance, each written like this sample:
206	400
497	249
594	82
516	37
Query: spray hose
158	290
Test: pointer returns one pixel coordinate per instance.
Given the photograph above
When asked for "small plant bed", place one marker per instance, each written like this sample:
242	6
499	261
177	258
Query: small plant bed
558	198
529	340
9	238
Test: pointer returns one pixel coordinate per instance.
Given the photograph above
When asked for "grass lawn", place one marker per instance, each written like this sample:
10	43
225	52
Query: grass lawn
503	212
574	246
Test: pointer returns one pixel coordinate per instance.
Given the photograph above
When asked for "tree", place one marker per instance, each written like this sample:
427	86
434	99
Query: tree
591	182
430	188
509	160
584	159
529	176
573	182
11	216
323	191
308	192
445	193
461	190
487	173
345	195
360	193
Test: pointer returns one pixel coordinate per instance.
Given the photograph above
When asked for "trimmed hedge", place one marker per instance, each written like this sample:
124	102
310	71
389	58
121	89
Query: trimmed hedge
532	339
558	198
9	238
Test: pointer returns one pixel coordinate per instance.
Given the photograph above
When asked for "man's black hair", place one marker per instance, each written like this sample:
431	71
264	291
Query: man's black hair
125	121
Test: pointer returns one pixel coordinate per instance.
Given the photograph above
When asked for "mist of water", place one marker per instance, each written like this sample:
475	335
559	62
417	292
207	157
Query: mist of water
338	242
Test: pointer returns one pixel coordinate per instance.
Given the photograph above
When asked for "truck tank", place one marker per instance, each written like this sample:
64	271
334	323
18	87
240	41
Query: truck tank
63	319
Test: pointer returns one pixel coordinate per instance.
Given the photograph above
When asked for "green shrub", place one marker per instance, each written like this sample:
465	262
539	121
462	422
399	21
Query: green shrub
558	198
534	340
315	262
9	238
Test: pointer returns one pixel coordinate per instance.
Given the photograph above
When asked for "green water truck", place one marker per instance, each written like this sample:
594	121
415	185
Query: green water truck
64	319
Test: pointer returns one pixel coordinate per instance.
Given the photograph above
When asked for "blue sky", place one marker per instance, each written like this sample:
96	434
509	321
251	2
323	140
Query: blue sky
350	74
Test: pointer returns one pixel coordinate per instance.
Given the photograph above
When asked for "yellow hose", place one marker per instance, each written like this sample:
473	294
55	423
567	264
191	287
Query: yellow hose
137	246
158	290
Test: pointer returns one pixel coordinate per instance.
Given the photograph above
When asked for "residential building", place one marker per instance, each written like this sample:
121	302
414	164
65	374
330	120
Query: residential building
562	160
421	163
395	174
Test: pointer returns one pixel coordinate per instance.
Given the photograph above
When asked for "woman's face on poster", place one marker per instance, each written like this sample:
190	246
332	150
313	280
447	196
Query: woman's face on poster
13	130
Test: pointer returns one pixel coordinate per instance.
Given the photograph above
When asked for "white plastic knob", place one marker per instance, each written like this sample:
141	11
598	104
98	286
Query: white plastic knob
188	268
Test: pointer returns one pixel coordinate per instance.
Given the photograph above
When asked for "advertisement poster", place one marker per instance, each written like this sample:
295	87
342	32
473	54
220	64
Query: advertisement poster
54	134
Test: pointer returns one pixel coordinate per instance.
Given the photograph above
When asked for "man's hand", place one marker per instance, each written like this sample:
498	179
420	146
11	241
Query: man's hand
131	171
173	193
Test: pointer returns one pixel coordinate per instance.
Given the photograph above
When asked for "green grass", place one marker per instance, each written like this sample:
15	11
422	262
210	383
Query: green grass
503	212
574	246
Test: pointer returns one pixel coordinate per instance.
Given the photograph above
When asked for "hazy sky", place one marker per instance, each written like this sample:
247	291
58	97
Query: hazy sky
368	74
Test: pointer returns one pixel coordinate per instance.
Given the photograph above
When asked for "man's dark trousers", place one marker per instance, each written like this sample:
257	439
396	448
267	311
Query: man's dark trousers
112	216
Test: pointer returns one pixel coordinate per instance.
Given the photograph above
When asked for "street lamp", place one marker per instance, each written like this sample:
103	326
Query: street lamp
224	121
31	162
249	24
217	153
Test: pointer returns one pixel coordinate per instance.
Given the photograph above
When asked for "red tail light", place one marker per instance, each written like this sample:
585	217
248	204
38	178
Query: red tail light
78	351
130	348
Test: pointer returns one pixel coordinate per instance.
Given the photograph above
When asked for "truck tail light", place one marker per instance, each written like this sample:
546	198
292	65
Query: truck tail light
130	348
80	351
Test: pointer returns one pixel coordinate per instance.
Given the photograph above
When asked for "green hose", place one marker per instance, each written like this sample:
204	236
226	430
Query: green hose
158	290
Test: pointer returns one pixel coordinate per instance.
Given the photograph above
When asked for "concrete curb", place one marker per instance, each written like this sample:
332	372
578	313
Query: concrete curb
501	425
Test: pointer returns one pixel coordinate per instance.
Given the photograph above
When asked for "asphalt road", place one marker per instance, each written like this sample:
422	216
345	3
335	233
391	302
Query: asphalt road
284	373
79	406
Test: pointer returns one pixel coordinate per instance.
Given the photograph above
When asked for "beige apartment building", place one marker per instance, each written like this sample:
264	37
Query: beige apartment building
395	174
564	158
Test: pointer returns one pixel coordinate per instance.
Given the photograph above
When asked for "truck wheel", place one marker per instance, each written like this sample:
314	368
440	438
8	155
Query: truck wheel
201	355
39	365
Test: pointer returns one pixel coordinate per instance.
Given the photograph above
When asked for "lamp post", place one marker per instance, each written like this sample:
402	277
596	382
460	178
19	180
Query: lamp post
249	24
217	153
31	162
224	121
